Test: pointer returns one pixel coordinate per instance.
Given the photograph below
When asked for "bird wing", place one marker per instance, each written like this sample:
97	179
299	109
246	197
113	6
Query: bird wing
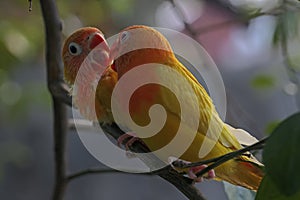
209	118
104	91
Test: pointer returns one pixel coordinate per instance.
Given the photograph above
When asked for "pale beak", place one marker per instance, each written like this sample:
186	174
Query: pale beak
99	51
114	50
98	40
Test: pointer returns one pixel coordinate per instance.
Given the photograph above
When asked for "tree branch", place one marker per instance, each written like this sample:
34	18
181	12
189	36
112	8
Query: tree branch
182	183
91	171
289	67
221	159
181	15
60	90
30	5
54	65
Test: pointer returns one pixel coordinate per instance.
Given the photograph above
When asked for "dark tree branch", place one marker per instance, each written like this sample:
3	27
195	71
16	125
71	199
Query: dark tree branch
53	28
91	171
220	160
30	5
60	90
182	183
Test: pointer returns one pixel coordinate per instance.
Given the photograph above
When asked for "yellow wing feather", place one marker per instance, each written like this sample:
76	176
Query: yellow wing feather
208	113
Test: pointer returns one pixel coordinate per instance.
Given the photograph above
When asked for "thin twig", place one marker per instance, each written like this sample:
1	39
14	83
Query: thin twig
221	159
213	27
95	171
30	5
290	69
181	15
54	65
229	156
182	183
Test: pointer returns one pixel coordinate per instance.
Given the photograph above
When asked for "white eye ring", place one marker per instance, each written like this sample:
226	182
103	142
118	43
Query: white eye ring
124	36
74	49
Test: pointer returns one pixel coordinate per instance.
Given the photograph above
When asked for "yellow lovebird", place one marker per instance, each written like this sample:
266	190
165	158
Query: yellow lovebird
86	57
141	47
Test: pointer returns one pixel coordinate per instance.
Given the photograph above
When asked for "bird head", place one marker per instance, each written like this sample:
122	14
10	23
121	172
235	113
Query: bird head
137	45
78	46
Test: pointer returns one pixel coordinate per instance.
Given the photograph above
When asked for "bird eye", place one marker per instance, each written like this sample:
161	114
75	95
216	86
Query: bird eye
124	36
74	49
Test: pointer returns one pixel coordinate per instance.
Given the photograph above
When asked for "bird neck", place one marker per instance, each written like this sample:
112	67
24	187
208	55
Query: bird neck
140	57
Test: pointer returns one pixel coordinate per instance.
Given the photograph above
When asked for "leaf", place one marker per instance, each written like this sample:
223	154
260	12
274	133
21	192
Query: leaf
277	34
268	190
290	23
121	6
271	126
287	27
281	155
263	81
238	193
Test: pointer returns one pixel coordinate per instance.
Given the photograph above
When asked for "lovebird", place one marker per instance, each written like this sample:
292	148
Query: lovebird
89	73
139	46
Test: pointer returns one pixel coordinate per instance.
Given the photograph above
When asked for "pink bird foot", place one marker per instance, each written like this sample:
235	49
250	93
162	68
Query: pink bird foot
192	171
128	139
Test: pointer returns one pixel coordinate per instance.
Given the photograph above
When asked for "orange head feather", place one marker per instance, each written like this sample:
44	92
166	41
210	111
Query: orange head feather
76	48
137	45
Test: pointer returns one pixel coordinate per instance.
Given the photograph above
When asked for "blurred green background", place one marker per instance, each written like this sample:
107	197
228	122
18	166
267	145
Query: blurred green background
259	89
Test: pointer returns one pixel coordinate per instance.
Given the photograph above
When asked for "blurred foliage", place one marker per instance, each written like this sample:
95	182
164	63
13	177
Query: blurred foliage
263	81
281	158
121	6
287	26
268	190
237	192
22	46
15	153
271	126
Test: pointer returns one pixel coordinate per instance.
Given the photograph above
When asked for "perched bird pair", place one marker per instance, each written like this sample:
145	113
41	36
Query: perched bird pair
156	54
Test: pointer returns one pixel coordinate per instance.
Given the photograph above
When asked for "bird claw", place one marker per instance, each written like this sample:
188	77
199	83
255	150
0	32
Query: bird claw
128	139
124	138
192	171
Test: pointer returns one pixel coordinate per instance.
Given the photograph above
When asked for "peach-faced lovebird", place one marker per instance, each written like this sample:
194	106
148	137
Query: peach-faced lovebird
89	73
140	46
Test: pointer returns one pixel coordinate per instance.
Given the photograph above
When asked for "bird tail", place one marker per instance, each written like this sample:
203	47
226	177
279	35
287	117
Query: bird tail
244	172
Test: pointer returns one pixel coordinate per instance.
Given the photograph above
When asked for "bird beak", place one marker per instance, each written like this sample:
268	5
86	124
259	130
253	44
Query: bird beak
114	50
99	51
98	39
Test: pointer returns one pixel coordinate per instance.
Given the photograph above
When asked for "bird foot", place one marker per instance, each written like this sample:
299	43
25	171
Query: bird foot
128	139
192	171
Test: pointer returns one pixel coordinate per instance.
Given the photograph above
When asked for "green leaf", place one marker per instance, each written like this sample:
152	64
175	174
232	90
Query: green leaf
268	190
234	192
271	126
277	34
287	27
290	23
281	155
263	81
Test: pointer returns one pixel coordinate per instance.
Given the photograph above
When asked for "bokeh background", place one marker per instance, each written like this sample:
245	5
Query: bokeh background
260	92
